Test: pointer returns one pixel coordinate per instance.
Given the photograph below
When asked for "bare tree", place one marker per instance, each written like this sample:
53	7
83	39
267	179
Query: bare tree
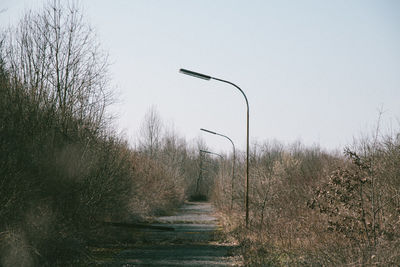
150	132
56	56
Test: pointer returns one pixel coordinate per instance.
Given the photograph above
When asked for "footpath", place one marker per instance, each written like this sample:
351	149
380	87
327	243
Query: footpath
187	238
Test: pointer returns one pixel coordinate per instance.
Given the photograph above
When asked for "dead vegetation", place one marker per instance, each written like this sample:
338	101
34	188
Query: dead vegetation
63	170
309	207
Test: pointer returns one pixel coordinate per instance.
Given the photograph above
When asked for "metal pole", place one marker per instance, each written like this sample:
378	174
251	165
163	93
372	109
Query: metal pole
247	147
200	175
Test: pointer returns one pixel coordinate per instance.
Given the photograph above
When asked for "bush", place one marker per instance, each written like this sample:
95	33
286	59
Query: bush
54	187
308	207
63	172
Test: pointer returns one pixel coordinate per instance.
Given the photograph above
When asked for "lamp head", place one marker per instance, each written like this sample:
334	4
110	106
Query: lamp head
208	131
195	74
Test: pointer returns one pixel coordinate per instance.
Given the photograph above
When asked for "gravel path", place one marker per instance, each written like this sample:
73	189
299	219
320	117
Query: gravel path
192	243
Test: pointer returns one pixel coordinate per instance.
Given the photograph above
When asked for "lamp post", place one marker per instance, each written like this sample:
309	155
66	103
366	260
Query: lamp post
234	158
207	77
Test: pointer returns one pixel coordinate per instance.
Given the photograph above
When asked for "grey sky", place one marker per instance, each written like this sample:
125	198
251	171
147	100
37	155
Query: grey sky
316	71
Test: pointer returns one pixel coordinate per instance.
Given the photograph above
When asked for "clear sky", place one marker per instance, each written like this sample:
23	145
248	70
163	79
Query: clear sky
315	71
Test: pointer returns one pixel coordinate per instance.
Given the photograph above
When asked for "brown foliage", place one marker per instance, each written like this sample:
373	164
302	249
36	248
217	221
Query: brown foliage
62	169
312	208
360	203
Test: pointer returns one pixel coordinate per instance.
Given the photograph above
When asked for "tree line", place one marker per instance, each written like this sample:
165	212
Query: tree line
64	170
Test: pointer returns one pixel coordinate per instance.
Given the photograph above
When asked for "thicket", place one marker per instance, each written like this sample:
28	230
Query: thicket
63	170
310	207
55	188
194	172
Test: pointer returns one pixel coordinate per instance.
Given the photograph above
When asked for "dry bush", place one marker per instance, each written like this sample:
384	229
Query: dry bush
57	188
312	208
54	187
281	181
361	201
61	171
156	189
173	161
223	185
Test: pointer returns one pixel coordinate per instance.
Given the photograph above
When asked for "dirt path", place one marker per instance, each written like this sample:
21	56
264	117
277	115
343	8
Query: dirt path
193	242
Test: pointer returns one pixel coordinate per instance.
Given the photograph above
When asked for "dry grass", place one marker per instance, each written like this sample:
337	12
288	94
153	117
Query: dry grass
312	208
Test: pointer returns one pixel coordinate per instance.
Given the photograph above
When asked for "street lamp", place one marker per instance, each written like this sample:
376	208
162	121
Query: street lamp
207	77
201	168
208	152
234	158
